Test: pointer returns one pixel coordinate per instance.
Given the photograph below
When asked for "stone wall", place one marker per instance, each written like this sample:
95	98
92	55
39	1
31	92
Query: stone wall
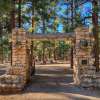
84	70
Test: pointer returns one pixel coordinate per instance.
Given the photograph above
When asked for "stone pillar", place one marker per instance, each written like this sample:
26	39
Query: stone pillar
19	73
83	57
20	65
19	48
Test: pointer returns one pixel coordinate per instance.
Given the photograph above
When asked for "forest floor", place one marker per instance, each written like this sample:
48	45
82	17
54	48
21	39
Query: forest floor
53	82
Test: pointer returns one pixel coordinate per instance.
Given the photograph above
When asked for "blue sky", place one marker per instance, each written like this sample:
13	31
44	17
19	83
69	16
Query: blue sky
60	9
85	10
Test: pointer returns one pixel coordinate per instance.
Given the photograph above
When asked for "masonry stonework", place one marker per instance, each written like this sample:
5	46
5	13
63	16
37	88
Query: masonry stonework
84	70
18	74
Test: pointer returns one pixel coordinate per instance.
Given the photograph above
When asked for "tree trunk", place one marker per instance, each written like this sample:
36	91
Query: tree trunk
19	14
1	51
32	58
13	23
54	51
71	57
1	45
96	32
54	54
43	17
43	47
13	15
72	14
33	10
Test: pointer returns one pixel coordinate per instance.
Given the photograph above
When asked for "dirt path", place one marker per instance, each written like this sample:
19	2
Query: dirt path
53	82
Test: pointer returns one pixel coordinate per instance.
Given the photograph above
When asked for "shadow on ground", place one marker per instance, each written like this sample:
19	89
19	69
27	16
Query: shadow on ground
58	80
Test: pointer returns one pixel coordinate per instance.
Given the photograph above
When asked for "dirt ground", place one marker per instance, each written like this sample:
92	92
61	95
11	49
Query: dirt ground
53	82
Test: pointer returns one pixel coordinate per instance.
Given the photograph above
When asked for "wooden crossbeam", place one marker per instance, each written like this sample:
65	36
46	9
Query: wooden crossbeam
51	36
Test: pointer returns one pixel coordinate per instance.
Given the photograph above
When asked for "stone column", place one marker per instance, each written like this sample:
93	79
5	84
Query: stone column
19	73
20	63
83	68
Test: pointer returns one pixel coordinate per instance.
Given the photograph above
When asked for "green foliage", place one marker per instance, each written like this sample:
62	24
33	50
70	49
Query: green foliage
5	6
4	41
48	47
78	20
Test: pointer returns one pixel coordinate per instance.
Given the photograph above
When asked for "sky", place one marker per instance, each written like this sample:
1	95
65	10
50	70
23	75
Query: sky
85	11
60	9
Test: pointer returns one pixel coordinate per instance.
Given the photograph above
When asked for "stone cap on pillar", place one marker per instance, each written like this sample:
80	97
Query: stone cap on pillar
83	32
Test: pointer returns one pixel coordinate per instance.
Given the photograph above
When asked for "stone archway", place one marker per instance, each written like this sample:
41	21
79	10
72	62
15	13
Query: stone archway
20	72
